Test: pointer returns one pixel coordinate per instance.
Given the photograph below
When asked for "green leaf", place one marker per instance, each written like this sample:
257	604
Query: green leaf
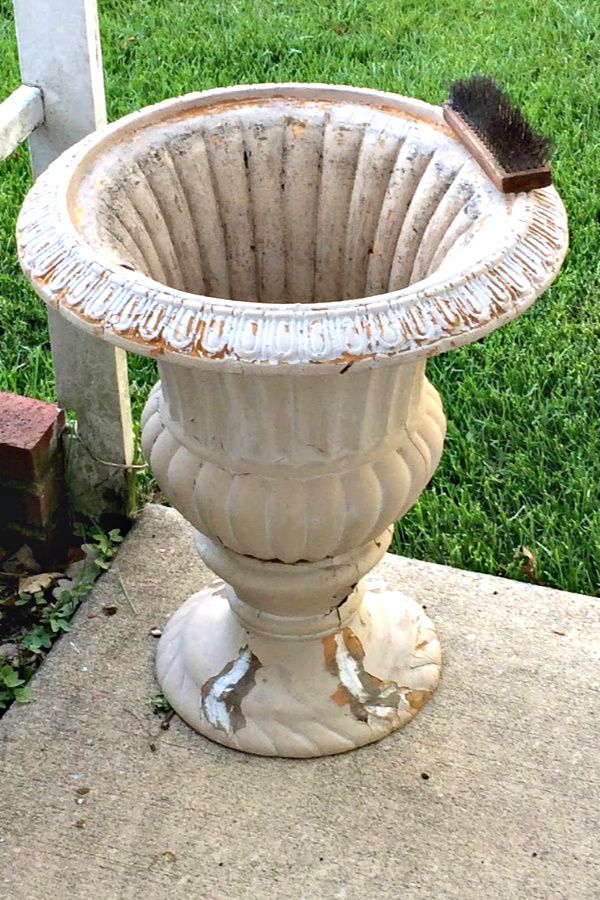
23	694
45	639
160	703
32	643
11	678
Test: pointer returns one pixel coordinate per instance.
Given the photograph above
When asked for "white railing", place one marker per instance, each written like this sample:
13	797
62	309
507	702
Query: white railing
60	101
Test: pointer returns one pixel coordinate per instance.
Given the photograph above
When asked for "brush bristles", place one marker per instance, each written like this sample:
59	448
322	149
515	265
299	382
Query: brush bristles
499	124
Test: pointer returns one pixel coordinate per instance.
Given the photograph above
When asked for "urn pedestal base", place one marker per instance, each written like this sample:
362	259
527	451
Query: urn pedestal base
299	697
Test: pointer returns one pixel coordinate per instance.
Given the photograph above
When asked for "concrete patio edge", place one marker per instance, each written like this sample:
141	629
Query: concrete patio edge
493	790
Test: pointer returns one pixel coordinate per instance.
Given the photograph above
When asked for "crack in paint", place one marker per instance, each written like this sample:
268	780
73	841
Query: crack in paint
222	695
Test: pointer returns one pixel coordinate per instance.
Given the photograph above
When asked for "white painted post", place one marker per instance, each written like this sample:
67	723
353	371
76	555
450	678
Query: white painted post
59	50
20	114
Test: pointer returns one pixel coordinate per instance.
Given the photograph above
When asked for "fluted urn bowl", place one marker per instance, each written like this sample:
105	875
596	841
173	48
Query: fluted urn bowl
291	255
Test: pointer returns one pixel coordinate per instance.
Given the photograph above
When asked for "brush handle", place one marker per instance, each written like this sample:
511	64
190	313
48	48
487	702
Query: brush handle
507	182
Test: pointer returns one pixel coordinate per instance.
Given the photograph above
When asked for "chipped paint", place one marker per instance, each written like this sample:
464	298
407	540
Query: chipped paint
298	128
370	699
222	695
417	699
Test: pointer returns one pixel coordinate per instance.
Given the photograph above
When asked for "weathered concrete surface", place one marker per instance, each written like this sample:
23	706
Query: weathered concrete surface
511	808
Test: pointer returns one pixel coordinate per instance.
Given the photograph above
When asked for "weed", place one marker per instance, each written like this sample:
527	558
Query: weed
160	704
31	622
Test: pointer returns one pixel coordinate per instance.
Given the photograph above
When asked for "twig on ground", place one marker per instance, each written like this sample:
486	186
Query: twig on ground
126	592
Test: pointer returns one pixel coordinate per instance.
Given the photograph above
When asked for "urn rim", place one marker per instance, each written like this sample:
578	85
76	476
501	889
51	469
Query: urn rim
147	317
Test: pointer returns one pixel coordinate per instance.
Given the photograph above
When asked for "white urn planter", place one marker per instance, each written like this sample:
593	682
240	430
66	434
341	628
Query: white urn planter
291	255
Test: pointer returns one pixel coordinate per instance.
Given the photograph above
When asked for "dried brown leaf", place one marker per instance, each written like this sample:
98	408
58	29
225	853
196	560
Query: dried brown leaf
528	563
22	562
31	584
10	653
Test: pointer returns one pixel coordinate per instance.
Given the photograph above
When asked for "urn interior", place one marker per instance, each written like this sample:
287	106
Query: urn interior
288	200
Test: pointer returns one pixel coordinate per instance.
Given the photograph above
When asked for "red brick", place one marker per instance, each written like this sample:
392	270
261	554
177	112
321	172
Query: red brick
32	505
29	432
49	544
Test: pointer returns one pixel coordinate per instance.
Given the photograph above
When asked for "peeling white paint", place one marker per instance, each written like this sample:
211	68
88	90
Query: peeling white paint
351	675
214	705
380	714
349	670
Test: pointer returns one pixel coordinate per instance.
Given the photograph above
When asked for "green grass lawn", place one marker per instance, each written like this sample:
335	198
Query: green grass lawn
522	461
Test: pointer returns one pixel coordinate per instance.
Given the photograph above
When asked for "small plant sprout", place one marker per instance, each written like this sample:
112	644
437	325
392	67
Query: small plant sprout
160	704
31	621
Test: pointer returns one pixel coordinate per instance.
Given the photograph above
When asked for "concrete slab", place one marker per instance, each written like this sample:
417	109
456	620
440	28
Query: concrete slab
492	792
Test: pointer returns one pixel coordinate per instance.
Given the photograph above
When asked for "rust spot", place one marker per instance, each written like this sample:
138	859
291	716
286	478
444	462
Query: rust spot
342	696
218	354
76	214
298	128
352	357
44	279
421	646
225	105
417	700
254	327
201	328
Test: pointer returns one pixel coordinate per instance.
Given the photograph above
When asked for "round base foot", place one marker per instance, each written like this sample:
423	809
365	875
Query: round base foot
283	696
